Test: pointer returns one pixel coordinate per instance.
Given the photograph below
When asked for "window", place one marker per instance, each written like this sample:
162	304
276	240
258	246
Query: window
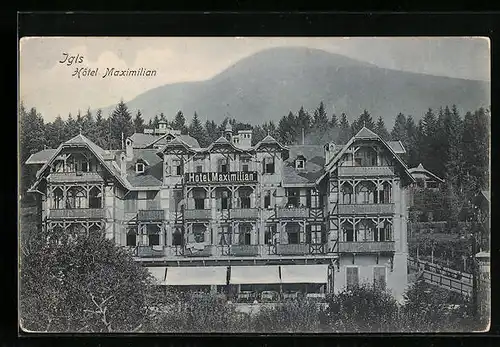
85	166
153	234
177	197
199	196
348	232
132	237
236	140
152	203
352	277
386	193
293	197
244	194
225	235
365	193
57	199
177	237
222	165
245	163
347	194
95	198
365	231
244	234
268	165
177	167
76	198
299	164
225	200
293	230
199	168
315	234
267	199
379	281
357	161
139	167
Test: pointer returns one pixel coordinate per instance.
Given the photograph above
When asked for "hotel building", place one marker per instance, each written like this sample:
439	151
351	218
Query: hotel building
235	217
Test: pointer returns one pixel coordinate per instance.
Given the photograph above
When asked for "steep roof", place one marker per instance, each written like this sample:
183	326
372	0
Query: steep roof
314	162
397	147
41	157
191	141
420	169
141	140
269	140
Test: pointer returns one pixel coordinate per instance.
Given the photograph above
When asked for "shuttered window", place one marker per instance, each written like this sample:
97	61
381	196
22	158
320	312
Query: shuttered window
379	280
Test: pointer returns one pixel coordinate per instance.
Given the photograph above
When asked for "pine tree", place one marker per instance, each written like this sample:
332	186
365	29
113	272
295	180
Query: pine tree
413	156
304	121
180	122
381	130
54	133
427	142
71	128
79	121
88	125
270	129
138	122
162	117
345	130
287	129
320	120
399	132
102	131
150	124
212	131
475	148
121	125
334	122
258	134
196	130
364	120
156	122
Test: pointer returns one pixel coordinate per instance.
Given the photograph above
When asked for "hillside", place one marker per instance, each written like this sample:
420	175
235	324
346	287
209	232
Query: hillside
270	83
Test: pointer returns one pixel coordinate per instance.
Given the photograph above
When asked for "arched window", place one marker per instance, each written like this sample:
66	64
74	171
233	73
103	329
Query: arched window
386	193
95	231
293	233
132	237
95	198
347	232
365	193
177	237
76	198
347	194
57	198
244	197
244	237
365	230
199	196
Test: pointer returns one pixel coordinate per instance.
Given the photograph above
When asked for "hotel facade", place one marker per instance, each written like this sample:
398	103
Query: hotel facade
234	217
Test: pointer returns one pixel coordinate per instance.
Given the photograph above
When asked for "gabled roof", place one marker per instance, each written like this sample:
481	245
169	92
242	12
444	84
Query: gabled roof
191	141
397	147
269	140
364	134
420	169
314	161
486	194
82	141
41	157
141	140
222	141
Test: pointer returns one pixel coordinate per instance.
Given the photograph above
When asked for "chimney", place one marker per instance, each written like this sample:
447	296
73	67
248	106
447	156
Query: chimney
129	148
123	165
329	149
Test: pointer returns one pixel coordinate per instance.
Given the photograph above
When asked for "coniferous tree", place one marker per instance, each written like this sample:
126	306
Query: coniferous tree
258	134
212	131
54	133
427	141
399	131
334	123
287	129
150	124
79	121
156	122
162	117
320	120
102	126
121	125
475	149
71	128
270	129
304	121
196	130
345	129
411	146
88	125
364	120
180	122
381	130
138	122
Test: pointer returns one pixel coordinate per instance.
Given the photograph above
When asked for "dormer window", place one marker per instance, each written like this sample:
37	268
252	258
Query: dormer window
139	168
300	163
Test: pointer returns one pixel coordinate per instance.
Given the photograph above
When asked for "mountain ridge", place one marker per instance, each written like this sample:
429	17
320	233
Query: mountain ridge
270	83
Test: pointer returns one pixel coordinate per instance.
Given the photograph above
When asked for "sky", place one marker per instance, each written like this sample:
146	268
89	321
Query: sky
48	83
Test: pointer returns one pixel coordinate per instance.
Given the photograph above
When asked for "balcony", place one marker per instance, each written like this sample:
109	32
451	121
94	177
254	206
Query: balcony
293	212
149	252
244	213
244	250
150	215
208	251
74	176
364	171
295	249
366	247
87	213
197	214
366	209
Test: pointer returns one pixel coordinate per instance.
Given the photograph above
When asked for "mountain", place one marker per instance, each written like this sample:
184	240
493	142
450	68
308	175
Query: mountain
267	85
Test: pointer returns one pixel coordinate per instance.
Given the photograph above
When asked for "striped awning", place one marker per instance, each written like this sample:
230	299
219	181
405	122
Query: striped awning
158	273
192	276
254	275
317	273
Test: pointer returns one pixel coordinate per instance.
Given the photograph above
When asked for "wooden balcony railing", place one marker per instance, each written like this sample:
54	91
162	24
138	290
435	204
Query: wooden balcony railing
294	249
149	252
75	176
244	250
243	213
91	213
354	171
366	247
197	214
150	215
208	251
366	209
293	212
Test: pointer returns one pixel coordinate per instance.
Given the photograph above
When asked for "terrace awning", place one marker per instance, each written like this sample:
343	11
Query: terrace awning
254	275
317	273
158	273
194	276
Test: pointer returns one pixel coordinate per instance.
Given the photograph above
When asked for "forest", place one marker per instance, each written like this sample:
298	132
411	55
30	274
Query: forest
454	146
